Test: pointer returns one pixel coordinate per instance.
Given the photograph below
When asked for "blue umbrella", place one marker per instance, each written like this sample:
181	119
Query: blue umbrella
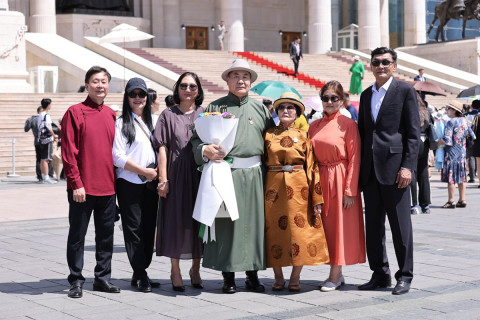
273	89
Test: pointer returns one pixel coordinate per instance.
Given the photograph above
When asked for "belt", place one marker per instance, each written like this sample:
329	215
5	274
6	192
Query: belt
244	163
286	168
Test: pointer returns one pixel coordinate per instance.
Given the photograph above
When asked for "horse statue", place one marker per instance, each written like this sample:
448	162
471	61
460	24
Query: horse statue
454	9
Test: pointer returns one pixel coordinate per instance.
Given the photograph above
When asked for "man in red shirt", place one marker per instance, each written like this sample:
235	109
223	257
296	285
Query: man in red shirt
88	130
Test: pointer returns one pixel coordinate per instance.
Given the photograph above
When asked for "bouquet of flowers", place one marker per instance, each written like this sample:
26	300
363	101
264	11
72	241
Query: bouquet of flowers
216	184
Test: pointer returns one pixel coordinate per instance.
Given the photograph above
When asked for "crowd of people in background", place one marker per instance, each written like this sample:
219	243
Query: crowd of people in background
298	177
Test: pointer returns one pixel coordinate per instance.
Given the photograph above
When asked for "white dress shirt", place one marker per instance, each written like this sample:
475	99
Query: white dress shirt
140	151
377	97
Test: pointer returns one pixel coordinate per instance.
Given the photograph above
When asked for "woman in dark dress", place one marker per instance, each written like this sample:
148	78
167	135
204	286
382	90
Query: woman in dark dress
454	168
177	231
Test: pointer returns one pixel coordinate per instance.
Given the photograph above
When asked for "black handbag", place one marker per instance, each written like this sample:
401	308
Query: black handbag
432	138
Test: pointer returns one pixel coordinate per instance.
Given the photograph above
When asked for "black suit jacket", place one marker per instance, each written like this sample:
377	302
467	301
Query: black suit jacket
392	141
293	51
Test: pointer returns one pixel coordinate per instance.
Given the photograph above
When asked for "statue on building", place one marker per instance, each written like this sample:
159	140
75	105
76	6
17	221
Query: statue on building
454	9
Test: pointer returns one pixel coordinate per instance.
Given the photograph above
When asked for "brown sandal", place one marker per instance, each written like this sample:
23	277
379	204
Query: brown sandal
278	286
461	204
449	205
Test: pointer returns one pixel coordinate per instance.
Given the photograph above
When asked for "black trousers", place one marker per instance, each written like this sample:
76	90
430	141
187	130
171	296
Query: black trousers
388	200
138	209
421	177
296	62
472	165
103	208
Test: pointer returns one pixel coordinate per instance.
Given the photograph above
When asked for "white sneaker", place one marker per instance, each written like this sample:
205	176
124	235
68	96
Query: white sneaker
330	286
50	181
415	210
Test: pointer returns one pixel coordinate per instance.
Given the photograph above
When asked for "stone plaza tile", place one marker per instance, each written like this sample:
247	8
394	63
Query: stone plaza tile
33	275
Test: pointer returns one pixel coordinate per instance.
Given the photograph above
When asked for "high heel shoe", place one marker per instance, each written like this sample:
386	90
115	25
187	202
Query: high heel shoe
195	285
177	288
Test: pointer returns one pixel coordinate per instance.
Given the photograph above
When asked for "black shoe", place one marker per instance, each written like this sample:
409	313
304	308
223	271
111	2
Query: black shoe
177	288
153	284
104	286
471	181
252	282
375	283
229	285
402	287
195	285
76	290
144	285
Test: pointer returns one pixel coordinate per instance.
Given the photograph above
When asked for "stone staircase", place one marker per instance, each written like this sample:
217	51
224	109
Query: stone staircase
208	64
14	110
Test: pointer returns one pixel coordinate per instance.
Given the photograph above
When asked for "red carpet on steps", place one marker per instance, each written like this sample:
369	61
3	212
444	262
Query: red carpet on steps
302	77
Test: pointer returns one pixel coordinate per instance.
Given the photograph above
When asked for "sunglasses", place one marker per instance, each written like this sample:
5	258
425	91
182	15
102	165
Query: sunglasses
140	94
184	86
384	62
282	107
327	98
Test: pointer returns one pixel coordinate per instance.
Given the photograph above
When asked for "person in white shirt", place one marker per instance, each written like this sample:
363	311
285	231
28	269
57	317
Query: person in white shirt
222	30
136	173
46	136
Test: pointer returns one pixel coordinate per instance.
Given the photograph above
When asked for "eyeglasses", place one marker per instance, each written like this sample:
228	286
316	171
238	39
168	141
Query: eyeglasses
184	86
140	94
384	62
283	107
327	98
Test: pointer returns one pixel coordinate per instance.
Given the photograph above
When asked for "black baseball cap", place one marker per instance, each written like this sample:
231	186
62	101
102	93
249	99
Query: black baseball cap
135	83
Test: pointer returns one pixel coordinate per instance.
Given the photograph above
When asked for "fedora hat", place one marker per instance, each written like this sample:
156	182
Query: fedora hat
291	98
240	64
455	105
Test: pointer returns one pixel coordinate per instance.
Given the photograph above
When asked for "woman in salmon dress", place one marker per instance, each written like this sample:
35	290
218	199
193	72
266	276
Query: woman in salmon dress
293	198
336	145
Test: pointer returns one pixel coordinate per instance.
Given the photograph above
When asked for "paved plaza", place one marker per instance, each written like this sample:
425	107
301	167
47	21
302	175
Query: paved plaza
33	270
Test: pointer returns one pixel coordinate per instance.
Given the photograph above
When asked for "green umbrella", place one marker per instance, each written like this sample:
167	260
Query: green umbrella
273	89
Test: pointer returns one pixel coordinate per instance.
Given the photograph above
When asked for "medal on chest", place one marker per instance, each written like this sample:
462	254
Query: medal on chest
250	120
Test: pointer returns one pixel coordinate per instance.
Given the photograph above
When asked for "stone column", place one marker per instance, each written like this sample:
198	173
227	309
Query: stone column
319	26
42	16
174	36
232	14
3	5
13	61
368	24
384	27
158	26
415	22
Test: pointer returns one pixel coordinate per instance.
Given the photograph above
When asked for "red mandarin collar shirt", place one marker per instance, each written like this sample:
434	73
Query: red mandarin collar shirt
88	130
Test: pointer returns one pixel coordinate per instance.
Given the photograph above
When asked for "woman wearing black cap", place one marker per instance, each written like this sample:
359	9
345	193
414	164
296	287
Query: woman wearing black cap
135	159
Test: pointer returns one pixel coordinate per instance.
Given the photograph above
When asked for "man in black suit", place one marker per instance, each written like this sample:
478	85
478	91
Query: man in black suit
389	127
420	76
296	53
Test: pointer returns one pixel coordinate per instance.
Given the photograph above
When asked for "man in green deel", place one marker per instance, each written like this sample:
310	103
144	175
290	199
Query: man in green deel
358	73
239	244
